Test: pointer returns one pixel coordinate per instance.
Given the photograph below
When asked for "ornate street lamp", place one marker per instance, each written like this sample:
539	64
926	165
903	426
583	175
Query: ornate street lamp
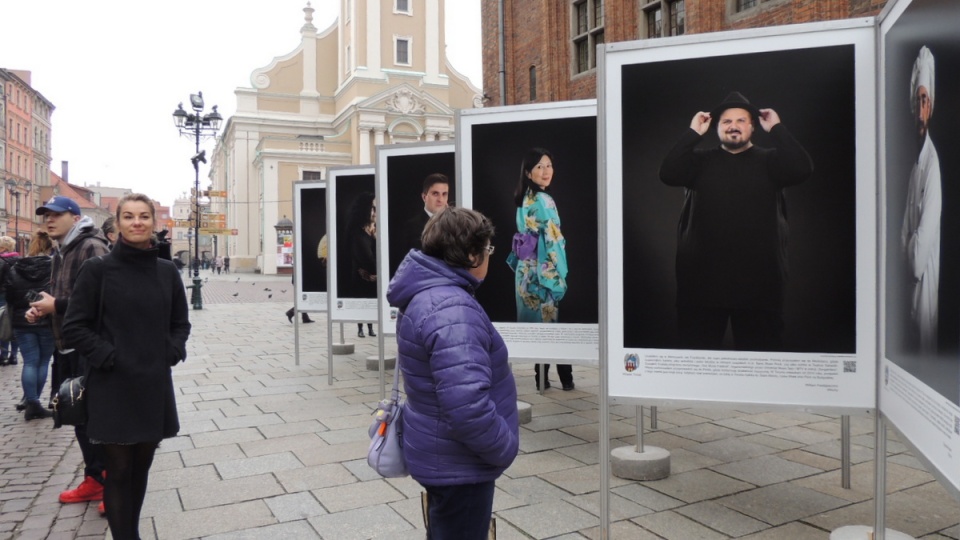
15	190
197	125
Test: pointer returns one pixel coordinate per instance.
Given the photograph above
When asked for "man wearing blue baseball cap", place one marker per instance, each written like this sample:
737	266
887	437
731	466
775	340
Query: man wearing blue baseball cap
78	239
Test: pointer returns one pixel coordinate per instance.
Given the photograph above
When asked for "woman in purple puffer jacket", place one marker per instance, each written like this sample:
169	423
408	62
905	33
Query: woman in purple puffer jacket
460	426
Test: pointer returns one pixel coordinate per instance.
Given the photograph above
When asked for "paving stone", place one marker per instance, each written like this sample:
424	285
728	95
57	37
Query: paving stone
791	531
722	519
781	503
178	478
698	485
620	508
215	520
682	461
211	454
620	529
673	526
549	519
219	438
271	463
540	463
858	454
588	454
237	490
777	443
729	450
765	470
580	480
161	502
374	521
811	459
296	506
297	529
741	425
557	421
704	432
314	477
357	495
309	441
531	489
861	481
531	442
916	512
647	497
801	434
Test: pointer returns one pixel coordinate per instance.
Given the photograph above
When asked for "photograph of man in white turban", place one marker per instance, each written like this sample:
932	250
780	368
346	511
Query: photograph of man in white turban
920	233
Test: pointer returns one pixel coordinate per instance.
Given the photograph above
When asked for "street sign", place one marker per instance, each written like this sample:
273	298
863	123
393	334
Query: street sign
216	193
211	230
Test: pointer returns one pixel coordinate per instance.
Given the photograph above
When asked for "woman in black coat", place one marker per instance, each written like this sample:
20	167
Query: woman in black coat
128	317
362	237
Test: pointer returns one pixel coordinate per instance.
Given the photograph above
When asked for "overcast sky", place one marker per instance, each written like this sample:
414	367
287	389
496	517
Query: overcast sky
116	69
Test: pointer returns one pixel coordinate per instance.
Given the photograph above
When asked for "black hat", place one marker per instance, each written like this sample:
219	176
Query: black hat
735	100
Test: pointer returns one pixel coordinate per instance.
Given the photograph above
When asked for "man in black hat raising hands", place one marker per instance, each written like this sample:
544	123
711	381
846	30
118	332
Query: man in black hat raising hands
732	245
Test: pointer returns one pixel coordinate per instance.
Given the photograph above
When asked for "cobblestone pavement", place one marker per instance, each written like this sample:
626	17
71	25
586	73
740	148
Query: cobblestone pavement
268	449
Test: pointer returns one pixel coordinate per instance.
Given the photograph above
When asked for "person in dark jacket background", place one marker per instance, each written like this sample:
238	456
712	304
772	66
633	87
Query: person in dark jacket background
128	318
23	281
460	425
78	239
8	255
362	239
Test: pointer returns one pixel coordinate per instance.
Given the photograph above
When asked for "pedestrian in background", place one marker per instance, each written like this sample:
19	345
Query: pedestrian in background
78	239
22	283
8	256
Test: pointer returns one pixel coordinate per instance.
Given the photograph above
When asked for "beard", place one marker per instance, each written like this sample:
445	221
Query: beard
734	144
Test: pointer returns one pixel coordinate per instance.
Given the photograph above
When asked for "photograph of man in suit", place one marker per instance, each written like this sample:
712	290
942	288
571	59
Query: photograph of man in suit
436	191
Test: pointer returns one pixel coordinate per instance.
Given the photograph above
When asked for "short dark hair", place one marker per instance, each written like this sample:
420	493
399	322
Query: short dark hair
435	178
109	225
140	197
457	233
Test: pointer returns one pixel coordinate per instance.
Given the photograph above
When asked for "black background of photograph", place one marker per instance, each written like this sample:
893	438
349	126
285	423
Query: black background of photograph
313	220
348	188
813	92
930	23
498	150
405	176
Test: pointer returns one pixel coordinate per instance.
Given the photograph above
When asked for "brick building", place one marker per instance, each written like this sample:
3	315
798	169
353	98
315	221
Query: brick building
548	51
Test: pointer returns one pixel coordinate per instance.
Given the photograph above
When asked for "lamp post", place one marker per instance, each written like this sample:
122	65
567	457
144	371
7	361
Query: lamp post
197	125
15	190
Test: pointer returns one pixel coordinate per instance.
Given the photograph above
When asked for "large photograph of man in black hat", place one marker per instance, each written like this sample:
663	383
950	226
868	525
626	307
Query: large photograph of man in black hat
740	208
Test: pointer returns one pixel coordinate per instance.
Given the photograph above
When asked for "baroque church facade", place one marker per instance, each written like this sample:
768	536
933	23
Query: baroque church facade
377	75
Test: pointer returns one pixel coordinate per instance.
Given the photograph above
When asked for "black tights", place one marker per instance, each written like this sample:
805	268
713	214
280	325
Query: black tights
128	467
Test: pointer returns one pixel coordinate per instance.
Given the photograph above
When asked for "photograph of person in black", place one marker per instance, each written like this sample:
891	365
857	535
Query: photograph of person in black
732	235
697	257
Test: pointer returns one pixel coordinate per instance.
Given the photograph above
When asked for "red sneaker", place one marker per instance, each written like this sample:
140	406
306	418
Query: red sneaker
102	508
88	490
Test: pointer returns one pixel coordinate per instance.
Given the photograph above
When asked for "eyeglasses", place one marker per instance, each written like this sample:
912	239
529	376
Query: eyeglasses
490	249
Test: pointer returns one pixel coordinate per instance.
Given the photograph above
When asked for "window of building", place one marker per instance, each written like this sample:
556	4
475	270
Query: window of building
664	18
313	175
401	48
587	22
533	83
347	61
401	6
739	6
